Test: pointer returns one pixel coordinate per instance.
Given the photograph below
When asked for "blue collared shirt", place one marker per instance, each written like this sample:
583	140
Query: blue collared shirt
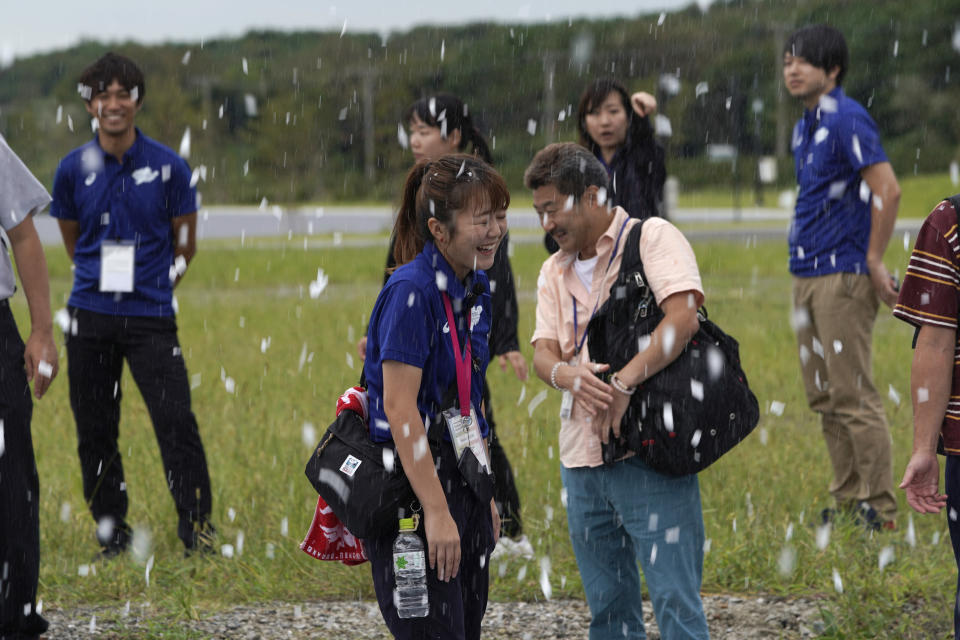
830	231
135	202
409	325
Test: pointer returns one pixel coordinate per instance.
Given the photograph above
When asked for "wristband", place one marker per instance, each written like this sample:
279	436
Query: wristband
622	388
553	375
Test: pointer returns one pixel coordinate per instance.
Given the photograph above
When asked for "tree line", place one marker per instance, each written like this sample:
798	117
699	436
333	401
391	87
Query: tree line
314	116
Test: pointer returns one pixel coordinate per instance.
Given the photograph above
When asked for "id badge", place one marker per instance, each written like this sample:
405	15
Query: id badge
465	433
566	405
116	267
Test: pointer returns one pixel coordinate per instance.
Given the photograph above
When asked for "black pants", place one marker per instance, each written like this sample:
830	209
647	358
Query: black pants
95	355
457	606
951	482
19	492
504	485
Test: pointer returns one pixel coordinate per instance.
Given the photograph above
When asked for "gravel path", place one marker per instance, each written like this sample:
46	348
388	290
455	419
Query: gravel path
729	617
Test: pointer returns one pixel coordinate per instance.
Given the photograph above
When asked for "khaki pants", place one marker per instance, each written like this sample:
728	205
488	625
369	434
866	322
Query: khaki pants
835	340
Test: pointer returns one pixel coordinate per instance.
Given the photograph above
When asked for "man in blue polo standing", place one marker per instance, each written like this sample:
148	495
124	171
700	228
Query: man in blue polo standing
127	212
845	213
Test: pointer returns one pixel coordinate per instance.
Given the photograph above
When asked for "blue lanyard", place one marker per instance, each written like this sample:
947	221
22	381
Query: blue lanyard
579	344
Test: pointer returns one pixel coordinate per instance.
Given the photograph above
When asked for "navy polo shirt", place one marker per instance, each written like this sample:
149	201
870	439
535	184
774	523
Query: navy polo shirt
830	230
131	201
409	325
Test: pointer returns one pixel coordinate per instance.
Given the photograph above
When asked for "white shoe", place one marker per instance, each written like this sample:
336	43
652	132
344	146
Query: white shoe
516	548
522	547
500	550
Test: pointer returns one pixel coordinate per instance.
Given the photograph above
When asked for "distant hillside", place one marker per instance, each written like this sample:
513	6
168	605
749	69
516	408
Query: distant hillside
281	115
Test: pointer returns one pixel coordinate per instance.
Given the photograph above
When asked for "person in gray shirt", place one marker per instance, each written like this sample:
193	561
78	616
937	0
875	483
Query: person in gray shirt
21	196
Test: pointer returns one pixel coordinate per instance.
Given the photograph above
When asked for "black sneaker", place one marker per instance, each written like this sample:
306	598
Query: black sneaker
201	541
108	553
867	517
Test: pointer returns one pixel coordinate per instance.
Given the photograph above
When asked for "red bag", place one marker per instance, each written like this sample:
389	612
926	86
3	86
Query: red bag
327	538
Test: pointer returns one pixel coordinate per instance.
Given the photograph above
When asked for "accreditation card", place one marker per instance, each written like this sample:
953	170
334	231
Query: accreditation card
116	266
465	433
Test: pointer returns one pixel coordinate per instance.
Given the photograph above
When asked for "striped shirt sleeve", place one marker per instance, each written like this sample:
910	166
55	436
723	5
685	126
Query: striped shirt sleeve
931	285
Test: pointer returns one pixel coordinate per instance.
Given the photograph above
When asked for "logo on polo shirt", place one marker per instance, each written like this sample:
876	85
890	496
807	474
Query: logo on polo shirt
146	174
475	315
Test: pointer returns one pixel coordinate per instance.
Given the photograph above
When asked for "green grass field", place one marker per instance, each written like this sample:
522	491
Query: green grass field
920	195
759	501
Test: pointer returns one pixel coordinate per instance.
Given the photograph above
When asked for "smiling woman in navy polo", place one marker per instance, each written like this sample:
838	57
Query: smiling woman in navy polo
426	357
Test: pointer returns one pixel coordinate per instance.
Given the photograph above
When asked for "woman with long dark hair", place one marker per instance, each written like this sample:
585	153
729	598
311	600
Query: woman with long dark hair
616	128
427	354
438	125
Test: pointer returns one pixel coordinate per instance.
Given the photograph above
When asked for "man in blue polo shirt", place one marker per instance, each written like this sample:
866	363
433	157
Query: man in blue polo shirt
845	213
127	212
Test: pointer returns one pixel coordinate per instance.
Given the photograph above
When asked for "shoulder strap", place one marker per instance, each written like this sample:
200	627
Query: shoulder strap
631	262
955	201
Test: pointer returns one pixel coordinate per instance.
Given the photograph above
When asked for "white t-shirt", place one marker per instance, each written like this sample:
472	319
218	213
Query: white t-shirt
584	269
21	196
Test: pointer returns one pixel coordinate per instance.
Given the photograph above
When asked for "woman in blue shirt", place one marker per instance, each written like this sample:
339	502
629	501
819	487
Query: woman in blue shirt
438	125
427	354
616	128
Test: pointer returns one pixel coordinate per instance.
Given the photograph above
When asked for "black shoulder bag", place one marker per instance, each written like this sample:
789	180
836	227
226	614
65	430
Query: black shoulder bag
683	418
362	480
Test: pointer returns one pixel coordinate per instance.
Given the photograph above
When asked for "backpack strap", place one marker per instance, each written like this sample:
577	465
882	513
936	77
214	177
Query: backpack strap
955	201
631	268
631	263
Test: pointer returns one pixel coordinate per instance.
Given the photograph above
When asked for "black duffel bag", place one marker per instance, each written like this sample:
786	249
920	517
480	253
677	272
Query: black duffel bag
361	480
683	418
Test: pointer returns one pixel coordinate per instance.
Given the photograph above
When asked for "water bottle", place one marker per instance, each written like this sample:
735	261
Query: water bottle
410	569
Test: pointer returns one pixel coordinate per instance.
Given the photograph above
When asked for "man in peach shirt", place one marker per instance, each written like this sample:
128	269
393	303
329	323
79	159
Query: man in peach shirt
625	512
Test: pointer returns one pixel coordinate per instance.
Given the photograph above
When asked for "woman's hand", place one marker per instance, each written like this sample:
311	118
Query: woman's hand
643	103
443	543
362	348
495	516
517	361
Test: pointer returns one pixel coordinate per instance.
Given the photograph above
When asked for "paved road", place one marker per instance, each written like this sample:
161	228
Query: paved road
234	222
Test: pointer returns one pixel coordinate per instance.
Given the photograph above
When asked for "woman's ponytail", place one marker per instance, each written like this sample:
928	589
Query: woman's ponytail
408	241
440	188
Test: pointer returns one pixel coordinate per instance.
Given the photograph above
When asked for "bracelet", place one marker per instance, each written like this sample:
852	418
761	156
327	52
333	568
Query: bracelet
622	388
553	375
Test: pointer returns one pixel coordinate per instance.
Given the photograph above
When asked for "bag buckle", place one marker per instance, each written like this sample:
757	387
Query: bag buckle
638	279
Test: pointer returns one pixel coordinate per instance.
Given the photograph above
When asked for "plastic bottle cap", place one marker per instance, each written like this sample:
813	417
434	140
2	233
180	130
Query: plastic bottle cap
407	524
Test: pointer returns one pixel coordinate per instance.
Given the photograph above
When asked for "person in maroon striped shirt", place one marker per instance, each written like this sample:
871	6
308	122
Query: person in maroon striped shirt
929	301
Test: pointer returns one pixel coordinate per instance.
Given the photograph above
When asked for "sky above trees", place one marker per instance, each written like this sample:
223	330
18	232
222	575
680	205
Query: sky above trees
29	27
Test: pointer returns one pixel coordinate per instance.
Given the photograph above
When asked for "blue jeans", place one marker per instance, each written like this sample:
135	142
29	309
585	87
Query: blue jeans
626	512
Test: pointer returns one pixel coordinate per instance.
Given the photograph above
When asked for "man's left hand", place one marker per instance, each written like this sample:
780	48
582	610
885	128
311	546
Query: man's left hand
40	361
883	283
612	417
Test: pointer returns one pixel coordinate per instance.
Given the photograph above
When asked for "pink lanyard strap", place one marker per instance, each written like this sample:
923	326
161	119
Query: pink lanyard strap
463	363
